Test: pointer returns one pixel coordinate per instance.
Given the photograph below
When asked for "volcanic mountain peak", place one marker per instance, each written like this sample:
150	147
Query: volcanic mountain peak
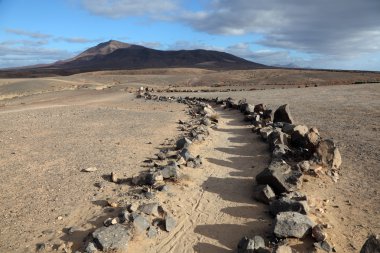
105	48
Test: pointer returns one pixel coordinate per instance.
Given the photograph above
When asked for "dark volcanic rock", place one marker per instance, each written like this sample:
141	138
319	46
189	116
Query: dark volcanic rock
372	245
263	193
182	143
292	224
140	223
246	245
280	177
114	238
170	223
282	114
288	205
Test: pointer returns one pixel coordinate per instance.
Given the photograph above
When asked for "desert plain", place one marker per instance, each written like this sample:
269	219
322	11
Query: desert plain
53	128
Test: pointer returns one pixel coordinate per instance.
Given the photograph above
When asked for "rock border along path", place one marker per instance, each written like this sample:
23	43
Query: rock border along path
295	150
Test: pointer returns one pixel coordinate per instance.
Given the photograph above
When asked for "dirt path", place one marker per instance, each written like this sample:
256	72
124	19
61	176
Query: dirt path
214	207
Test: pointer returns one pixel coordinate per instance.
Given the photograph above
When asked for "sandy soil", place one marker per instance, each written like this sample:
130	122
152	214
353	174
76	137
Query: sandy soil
48	138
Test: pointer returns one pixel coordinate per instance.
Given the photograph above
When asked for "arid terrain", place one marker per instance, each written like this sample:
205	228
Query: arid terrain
52	128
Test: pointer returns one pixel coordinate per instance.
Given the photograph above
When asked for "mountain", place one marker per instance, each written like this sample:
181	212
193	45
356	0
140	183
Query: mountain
116	55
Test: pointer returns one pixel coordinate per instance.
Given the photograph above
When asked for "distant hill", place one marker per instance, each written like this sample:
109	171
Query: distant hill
116	55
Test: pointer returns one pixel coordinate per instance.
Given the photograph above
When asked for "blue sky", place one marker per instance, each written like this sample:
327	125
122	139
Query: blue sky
318	34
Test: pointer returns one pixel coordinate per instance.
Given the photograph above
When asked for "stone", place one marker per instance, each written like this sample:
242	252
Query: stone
170	171
114	238
114	177
195	162
110	221
323	246
288	128
265	132
206	122
150	209
292	224
249	109
140	223
183	143
152	232
161	155
133	207
298	138
246	245
282	114
259	108
313	138
263	193
91	248
318	233
277	137
288	205
185	153
304	166
280	151
170	223
267	116
90	169
280	177
329	154
371	245
259	242
153	178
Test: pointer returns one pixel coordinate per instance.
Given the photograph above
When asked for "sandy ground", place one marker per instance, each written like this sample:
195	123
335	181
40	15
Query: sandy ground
48	138
47	141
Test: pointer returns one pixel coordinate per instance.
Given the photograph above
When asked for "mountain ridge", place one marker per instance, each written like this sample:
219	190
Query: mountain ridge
117	55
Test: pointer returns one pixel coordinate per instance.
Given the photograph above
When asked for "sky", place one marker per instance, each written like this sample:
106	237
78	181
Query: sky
331	34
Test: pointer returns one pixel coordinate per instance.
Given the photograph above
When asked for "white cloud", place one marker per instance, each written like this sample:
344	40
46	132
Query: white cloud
126	8
34	35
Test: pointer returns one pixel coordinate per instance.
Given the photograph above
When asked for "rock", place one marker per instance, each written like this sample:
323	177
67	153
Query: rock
153	178
318	234
90	248
329	154
40	247
304	166
259	108
170	171
140	223
298	138
288	128
323	246
259	242
150	209
185	153
113	238
170	223
267	116
249	109
263	193
246	245
292	224
161	155
114	177
295	195
183	143
90	169
110	221
195	162
372	245
277	137
282	114
288	205
280	151
280	177
265	132
206	122
313	139
152	232
133	207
